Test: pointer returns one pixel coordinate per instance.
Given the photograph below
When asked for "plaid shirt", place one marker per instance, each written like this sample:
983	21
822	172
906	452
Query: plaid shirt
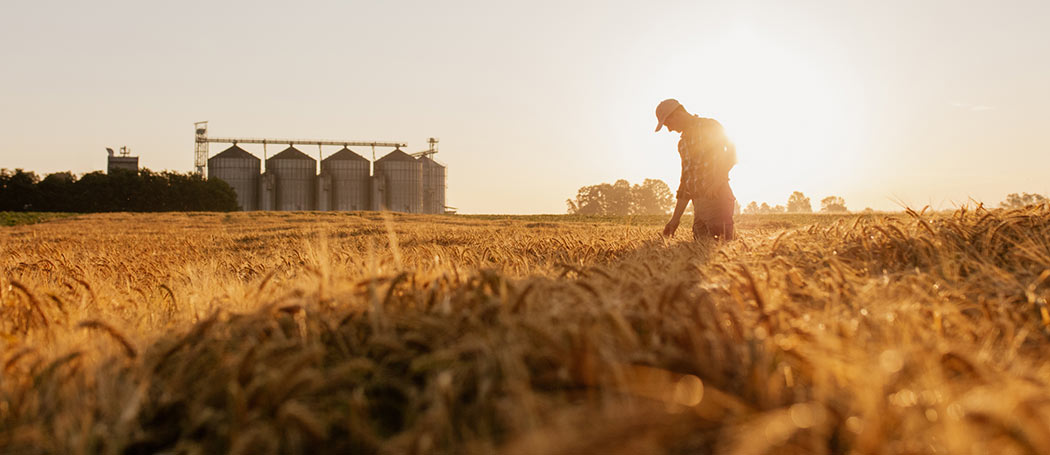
707	156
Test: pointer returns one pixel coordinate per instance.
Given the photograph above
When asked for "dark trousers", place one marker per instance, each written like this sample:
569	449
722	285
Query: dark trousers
713	217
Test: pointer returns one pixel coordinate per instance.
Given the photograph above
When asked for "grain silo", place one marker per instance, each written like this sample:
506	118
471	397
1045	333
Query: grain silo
404	182
267	190
323	201
240	170
378	200
434	177
295	173
350	174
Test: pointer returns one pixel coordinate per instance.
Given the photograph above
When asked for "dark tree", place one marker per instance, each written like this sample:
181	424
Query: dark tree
120	191
18	191
57	192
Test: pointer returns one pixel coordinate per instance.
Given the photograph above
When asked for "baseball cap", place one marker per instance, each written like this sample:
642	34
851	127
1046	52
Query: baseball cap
664	110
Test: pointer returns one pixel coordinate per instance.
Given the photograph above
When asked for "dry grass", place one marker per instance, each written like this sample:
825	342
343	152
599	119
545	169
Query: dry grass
327	333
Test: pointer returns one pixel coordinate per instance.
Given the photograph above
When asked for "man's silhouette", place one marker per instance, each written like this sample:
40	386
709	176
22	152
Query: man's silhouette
707	156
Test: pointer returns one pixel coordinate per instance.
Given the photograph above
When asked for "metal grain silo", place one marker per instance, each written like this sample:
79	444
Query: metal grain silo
295	173
267	190
240	170
434	178
323	195
350	175
404	182
378	200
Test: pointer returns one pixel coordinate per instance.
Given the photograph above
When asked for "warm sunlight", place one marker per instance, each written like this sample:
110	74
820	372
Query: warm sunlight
789	115
450	227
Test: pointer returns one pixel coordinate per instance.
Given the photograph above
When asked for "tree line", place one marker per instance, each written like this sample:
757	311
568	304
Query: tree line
651	197
799	203
120	191
654	197
1016	201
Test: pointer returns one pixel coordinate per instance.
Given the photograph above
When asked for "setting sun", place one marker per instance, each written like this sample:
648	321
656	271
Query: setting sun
788	113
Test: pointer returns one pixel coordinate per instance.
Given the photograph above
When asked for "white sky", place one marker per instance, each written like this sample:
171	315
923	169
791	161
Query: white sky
913	102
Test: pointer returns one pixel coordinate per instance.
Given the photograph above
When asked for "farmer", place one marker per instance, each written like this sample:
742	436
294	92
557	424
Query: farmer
707	156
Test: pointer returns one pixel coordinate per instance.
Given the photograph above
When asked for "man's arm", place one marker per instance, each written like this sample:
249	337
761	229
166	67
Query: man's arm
682	196
676	218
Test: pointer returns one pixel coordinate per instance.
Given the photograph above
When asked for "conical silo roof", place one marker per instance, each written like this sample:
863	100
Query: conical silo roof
235	152
396	155
345	154
429	162
291	153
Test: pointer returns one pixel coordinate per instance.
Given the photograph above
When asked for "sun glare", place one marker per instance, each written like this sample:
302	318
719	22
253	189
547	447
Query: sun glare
788	113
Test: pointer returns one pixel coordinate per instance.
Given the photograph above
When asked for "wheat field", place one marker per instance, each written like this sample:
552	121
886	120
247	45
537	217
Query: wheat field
256	333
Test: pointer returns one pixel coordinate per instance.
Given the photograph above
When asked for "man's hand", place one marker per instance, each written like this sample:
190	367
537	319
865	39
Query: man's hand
679	209
671	227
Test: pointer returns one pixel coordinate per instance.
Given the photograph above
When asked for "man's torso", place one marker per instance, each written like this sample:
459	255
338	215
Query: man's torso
707	157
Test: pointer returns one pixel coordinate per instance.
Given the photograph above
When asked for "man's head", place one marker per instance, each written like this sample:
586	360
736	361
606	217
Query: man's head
672	114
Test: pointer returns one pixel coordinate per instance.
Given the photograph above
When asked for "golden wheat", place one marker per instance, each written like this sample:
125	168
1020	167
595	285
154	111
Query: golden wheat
387	333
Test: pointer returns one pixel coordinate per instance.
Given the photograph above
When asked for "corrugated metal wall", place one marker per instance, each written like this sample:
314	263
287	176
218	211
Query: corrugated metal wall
296	174
324	192
378	200
350	175
434	185
267	192
404	182
241	171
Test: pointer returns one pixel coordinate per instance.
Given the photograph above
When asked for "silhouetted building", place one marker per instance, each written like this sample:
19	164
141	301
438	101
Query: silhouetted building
122	161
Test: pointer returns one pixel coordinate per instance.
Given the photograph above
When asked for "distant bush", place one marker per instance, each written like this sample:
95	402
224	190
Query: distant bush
754	209
121	191
833	204
1016	201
